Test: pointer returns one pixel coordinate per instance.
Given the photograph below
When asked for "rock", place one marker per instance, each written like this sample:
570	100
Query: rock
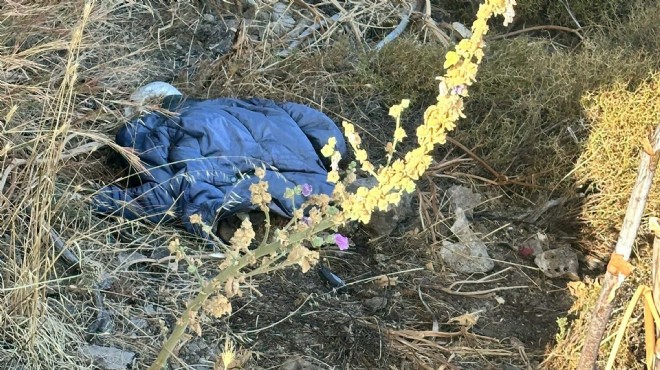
470	254
383	223
282	21
560	262
376	303
463	197
151	310
108	358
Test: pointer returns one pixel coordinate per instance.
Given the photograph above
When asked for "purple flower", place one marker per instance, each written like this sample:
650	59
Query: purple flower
306	190
458	89
307	221
342	242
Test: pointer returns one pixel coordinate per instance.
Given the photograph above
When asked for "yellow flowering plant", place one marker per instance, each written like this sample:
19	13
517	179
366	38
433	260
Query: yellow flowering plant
293	243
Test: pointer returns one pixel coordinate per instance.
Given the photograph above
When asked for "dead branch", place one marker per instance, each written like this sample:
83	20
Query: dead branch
537	28
398	30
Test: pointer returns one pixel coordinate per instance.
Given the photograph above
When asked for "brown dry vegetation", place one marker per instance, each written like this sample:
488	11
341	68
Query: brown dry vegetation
64	81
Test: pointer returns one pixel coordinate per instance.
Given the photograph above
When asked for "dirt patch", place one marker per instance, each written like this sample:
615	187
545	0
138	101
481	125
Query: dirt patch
373	322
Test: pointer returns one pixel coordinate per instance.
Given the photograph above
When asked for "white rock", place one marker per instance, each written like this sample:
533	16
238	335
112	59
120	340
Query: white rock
470	254
108	358
560	262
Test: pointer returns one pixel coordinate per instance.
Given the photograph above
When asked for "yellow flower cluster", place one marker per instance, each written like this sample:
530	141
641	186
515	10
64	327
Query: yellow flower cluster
399	132
218	306
243	237
303	257
440	118
260	195
329	151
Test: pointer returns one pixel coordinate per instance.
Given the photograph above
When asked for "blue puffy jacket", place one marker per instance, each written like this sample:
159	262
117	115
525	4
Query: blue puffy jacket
202	159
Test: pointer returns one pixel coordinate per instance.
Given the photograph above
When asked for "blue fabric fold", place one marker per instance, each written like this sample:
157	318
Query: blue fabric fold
201	160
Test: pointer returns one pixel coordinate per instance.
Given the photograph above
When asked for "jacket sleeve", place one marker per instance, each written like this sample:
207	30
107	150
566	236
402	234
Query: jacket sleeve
150	201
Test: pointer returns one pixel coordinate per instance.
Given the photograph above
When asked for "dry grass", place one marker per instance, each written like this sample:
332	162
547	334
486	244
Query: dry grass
620	116
64	69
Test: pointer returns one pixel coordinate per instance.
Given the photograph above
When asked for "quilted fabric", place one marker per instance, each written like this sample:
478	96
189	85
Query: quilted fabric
201	159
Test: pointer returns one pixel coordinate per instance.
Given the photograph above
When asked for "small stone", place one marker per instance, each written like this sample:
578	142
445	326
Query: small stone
108	358
149	309
376	303
463	197
560	262
470	254
209	18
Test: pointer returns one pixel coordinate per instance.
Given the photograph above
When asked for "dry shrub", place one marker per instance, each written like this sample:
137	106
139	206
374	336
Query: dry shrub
565	353
525	113
570	336
640	31
620	116
617	114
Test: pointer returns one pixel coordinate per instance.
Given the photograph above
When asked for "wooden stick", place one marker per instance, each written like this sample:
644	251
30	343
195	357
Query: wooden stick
617	269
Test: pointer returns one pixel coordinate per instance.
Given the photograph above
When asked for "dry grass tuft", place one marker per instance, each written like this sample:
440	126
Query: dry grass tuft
620	116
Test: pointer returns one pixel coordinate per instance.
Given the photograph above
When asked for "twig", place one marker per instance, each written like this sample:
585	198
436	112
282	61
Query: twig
169	258
354	28
483	280
618	267
478	293
380	276
565	4
280	321
474	156
537	28
311	29
398	30
436	326
533	216
431	23
500	179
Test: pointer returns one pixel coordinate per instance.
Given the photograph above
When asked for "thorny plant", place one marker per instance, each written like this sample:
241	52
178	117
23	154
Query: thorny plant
320	213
